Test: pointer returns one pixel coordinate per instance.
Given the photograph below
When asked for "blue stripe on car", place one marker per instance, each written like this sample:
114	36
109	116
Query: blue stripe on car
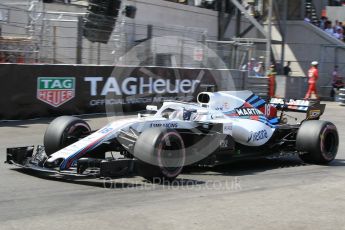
72	157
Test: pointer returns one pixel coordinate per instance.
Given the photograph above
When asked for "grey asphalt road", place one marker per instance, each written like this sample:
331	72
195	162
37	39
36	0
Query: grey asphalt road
261	194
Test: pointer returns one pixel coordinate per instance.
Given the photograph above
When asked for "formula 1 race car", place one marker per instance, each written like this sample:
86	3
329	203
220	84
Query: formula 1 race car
221	127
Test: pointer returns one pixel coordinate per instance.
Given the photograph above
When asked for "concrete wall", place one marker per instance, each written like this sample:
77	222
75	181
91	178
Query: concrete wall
158	12
336	13
291	87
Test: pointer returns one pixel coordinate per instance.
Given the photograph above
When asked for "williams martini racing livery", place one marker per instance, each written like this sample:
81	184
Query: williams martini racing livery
221	127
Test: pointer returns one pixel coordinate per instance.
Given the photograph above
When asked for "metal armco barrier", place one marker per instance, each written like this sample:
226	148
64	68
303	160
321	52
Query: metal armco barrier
342	97
259	86
29	91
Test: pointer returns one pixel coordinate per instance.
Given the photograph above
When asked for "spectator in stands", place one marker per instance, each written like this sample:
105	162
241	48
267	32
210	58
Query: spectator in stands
20	58
307	18
341	26
2	57
329	29
287	69
323	21
250	66
259	70
338	25
337	31
339	34
337	81
11	58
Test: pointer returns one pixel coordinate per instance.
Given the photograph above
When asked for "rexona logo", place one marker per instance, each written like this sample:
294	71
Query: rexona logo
55	91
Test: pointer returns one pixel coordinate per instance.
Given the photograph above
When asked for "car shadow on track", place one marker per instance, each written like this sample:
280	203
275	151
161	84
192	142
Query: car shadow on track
338	162
109	183
238	169
251	167
24	123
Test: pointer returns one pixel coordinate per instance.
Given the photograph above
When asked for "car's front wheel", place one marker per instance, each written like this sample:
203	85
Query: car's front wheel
64	131
317	141
161	154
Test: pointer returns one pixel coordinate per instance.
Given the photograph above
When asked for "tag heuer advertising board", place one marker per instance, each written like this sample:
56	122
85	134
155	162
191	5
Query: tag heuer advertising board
55	91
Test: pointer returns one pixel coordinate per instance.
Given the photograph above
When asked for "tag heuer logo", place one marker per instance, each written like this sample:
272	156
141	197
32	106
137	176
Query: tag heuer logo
55	91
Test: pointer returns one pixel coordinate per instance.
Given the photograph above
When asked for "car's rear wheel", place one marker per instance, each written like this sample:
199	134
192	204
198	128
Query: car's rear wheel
161	154
64	131
317	141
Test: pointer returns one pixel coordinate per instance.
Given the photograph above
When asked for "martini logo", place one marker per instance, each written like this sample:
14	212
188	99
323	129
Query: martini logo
248	112
55	91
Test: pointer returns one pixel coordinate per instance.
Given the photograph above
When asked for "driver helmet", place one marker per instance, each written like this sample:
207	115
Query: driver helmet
187	114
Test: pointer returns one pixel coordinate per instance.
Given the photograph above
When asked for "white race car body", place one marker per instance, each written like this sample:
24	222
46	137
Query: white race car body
237	112
221	127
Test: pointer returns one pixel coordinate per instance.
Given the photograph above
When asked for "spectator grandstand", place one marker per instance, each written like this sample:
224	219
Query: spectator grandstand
335	28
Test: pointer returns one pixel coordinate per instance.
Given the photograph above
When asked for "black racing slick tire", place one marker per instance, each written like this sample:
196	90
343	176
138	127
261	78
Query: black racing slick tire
64	131
161	154
317	142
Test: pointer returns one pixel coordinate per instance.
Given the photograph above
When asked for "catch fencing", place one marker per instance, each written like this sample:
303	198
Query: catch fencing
57	38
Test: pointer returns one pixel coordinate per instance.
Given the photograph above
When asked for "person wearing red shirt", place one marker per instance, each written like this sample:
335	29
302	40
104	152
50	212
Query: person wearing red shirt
272	81
313	75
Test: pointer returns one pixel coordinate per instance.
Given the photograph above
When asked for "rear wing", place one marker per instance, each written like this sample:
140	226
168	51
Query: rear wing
313	109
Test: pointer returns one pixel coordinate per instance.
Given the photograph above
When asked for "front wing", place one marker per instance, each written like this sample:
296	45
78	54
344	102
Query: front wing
35	160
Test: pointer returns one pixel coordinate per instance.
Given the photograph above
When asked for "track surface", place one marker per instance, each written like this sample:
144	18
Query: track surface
265	194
